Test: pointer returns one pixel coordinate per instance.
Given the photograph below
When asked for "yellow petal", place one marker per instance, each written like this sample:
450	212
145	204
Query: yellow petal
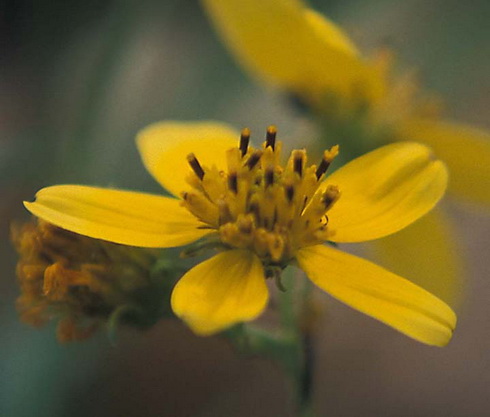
164	147
224	290
125	217
287	44
384	191
330	33
426	252
379	293
465	150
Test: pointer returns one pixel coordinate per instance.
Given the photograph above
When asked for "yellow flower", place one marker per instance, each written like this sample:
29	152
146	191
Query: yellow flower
295	48
263	217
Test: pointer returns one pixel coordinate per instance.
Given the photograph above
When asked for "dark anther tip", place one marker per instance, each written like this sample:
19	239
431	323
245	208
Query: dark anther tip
254	159
233	182
270	137
244	140
195	165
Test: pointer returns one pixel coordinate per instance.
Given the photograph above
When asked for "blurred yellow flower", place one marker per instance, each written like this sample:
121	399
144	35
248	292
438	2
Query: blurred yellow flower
289	45
263	217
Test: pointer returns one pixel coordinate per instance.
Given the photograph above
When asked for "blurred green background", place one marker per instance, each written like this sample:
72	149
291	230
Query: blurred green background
79	79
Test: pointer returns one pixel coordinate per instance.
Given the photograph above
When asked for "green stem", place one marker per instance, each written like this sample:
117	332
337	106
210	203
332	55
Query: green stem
301	368
291	347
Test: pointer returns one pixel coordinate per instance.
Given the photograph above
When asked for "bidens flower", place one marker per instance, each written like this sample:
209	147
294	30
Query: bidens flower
264	216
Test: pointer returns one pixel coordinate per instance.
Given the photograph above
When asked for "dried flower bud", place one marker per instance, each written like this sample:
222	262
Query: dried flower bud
86	283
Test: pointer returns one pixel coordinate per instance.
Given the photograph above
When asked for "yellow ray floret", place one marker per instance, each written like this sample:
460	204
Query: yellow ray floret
379	293
287	44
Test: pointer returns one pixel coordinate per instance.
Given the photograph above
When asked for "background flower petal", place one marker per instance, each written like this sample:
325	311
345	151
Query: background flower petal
289	45
384	191
164	148
426	252
125	217
379	293
465	150
219	292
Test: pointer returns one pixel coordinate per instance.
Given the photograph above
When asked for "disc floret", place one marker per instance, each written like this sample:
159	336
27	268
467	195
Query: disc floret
261	205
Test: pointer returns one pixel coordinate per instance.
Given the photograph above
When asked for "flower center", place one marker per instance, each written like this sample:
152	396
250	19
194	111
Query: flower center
260	205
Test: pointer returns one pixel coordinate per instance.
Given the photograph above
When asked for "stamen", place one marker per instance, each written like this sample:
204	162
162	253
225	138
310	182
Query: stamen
328	157
244	141
269	177
289	193
195	165
298	162
270	139
330	196
253	159
233	182
322	168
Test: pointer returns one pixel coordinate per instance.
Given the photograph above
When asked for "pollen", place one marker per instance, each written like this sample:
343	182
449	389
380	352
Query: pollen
260	204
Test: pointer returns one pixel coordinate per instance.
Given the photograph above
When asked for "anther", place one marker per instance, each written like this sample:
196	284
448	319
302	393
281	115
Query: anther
233	182
244	141
328	157
298	163
253	159
322	168
330	196
270	138
269	177
289	192
195	165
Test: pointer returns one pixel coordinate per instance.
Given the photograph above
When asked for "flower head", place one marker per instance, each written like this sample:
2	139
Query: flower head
263	216
83	283
259	205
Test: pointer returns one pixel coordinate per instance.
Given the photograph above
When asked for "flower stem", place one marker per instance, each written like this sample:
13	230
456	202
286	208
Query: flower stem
292	346
295	319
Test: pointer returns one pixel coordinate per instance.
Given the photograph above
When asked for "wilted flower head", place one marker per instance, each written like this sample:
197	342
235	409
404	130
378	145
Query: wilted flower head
84	283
